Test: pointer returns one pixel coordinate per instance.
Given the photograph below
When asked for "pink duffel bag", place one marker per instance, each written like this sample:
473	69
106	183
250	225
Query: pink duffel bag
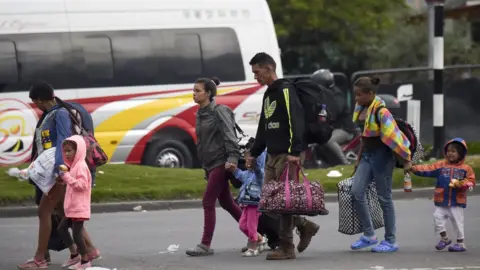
289	196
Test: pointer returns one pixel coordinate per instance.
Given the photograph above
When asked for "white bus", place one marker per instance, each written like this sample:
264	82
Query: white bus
132	64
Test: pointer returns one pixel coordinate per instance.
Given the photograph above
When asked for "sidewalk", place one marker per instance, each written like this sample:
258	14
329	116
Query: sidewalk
29	211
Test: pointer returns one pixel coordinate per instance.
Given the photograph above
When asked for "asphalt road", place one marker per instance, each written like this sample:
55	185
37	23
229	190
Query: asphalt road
139	240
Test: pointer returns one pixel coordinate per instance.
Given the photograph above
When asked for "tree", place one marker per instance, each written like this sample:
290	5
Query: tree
406	45
329	33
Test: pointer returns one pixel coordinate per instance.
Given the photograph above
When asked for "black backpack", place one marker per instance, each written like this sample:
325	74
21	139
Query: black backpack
312	96
416	148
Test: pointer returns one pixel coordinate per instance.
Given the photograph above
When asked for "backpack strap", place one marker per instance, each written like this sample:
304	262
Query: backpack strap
376	114
74	118
237	127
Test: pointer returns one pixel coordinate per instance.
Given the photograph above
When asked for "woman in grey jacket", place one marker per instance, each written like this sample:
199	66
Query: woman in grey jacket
217	148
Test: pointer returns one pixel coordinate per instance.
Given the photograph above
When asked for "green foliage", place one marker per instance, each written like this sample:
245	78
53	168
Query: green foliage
473	148
133	182
329	32
406	45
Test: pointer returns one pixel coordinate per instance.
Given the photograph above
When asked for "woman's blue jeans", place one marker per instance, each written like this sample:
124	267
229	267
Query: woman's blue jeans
376	165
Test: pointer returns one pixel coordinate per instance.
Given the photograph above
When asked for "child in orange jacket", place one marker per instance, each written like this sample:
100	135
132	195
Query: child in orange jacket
454	179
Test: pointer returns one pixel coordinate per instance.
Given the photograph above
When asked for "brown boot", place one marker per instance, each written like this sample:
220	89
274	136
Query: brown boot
283	252
306	232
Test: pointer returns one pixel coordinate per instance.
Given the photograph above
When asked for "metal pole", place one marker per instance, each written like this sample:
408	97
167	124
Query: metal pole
431	26
437	53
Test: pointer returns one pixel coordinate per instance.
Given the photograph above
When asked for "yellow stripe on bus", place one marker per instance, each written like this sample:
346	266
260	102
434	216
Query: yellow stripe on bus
111	132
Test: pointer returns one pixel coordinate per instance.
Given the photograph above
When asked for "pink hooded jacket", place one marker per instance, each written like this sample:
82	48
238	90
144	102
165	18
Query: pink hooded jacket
78	180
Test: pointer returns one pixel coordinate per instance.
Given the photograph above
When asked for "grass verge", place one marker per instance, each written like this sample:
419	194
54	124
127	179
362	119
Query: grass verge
133	182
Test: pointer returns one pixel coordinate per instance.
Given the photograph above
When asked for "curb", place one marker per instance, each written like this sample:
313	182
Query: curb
30	211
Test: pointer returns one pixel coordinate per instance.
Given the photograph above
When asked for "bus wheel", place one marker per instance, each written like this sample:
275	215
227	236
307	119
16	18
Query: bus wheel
168	154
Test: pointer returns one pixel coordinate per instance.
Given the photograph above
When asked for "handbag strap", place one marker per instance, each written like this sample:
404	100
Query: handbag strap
306	184
288	196
286	173
308	189
74	118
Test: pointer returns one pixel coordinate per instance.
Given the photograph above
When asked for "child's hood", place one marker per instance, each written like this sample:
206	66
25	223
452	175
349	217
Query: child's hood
463	143
81	152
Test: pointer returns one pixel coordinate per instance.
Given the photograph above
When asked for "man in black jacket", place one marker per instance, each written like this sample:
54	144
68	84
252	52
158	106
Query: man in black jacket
281	130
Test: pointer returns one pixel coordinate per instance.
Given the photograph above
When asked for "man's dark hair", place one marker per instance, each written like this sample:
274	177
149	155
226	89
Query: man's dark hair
41	91
263	59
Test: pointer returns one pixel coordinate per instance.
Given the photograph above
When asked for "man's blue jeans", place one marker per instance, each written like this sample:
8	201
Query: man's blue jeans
376	165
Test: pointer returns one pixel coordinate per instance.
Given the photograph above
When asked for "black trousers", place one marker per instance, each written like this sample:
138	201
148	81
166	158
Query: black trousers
77	228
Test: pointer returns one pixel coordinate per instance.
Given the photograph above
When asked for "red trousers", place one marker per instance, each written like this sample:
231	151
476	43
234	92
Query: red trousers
217	188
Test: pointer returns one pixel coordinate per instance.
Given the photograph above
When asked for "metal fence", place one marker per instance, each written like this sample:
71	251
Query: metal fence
462	96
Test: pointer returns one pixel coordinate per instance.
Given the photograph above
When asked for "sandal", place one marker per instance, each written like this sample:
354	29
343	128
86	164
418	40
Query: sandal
364	242
457	248
385	247
443	244
33	264
200	250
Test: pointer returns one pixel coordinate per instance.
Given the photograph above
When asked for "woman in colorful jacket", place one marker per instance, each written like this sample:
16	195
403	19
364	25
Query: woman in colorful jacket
382	141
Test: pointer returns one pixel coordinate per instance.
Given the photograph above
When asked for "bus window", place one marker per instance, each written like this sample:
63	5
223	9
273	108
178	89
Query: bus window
8	65
119	58
97	52
135	62
221	54
40	57
188	56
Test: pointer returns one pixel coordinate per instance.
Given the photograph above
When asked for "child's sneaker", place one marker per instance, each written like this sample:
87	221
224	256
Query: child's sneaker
80	266
263	244
245	248
94	255
457	248
443	244
71	261
252	250
251	253
32	264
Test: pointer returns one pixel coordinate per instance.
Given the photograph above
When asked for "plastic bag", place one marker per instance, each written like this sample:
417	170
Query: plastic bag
41	170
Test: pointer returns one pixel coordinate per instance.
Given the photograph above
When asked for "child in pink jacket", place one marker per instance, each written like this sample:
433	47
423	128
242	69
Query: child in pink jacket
77	177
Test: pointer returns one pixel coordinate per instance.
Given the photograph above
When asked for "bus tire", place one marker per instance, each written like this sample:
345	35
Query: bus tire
168	154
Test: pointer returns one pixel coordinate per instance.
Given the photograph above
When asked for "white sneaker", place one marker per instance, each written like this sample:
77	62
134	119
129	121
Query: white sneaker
263	245
251	253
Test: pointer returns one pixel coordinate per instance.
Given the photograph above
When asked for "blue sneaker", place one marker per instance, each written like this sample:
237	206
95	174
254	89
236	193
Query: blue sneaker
385	247
457	248
364	242
443	244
